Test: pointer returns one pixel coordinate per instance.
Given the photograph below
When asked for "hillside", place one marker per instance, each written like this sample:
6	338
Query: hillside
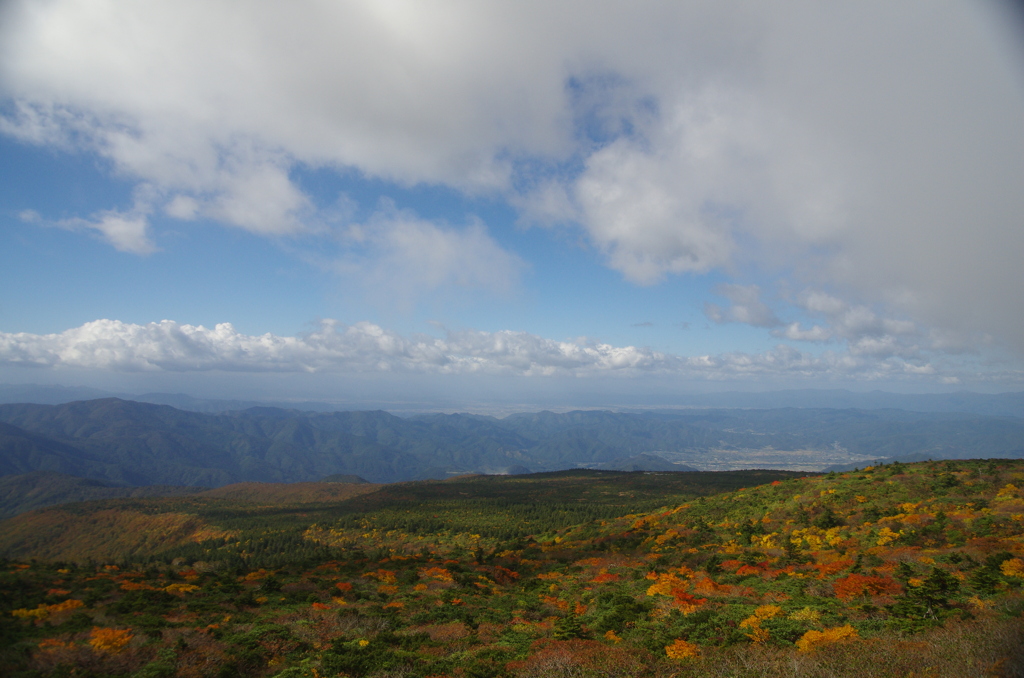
887	571
495	508
130	443
39	489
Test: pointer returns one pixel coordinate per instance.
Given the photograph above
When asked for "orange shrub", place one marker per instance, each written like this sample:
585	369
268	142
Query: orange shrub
53	644
70	604
680	649
553	600
109	641
605	578
687	603
438	573
836	567
855	585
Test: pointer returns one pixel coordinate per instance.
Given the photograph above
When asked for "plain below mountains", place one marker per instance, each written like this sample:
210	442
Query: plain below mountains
134	444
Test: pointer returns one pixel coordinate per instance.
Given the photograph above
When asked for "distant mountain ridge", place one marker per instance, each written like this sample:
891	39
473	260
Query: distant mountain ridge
130	443
1010	404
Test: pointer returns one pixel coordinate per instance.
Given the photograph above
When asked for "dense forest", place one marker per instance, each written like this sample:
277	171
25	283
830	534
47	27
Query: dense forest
895	569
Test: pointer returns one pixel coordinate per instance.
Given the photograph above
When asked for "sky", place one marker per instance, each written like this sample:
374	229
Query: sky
528	201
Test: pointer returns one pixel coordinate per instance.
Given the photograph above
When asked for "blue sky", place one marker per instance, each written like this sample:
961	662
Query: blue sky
389	198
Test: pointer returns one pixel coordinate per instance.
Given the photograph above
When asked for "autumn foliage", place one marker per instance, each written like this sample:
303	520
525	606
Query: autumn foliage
823	571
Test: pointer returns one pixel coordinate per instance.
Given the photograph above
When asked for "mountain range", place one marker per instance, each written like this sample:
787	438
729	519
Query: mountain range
135	444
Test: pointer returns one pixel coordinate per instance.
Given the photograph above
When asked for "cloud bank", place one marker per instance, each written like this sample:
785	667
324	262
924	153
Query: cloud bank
333	347
870	148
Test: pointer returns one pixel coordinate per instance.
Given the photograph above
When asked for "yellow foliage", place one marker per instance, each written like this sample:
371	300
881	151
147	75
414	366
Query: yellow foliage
383	576
860	498
388	589
887	536
1007	492
806	615
1014	567
753	622
767	611
664	585
109	641
611	636
43	610
813	639
181	588
661	539
980	604
680	649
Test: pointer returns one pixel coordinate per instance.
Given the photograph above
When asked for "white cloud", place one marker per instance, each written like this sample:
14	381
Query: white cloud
863	330
650	203
114	346
874	148
795	332
168	346
746	307
127	231
400	258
